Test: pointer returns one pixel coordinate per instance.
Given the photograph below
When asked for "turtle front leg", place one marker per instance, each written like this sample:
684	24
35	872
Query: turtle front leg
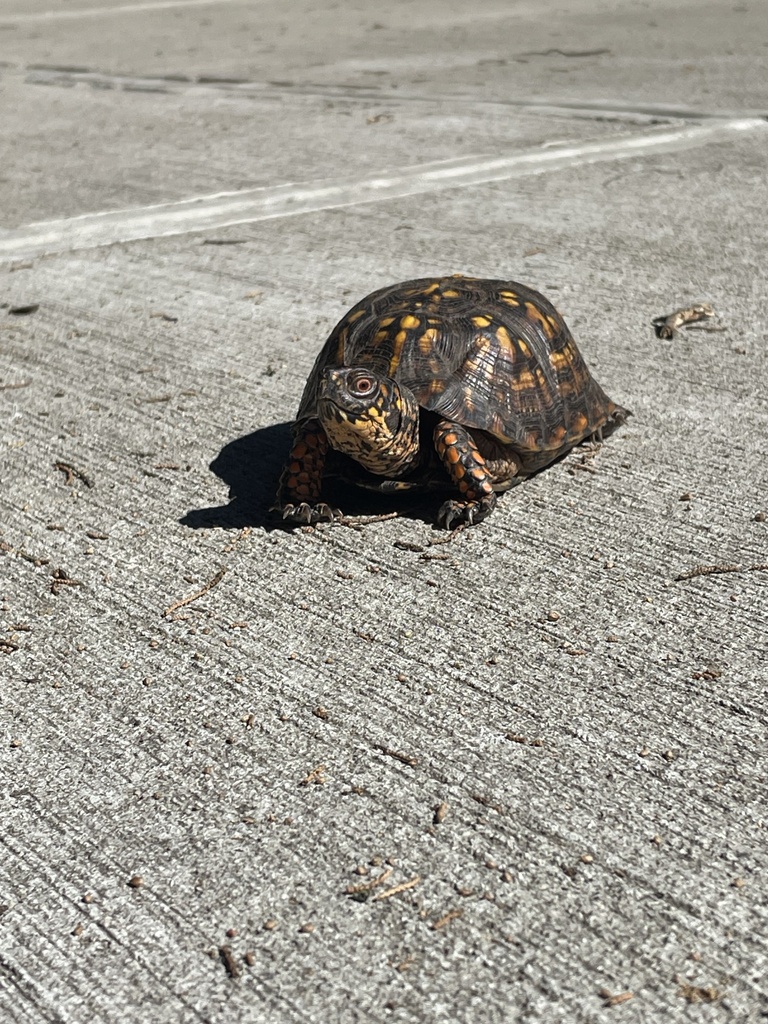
298	495
468	471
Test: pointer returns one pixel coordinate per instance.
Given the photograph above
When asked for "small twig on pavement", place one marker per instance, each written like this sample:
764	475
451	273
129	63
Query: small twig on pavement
405	758
60	579
713	570
446	919
372	883
72	473
397	888
451	536
193	597
358	522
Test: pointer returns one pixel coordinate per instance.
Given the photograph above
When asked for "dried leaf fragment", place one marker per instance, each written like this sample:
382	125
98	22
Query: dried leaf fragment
699	993
231	966
615	1000
440	813
315	778
667	326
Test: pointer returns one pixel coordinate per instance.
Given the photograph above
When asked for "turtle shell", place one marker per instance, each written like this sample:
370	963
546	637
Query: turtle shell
491	355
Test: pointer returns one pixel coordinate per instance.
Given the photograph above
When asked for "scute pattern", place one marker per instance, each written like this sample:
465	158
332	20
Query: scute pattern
491	355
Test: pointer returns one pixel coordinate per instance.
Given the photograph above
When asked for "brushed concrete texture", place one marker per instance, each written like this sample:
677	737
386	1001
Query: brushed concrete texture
353	773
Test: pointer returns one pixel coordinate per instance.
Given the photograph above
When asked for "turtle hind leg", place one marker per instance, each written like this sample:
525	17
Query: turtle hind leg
298	494
468	471
505	467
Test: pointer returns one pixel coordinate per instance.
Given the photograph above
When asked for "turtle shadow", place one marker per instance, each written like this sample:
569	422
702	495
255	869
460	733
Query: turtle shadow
251	465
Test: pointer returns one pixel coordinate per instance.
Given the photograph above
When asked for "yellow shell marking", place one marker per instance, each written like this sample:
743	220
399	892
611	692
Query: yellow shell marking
356	316
450	294
503	336
397	349
409	322
481	321
432	288
546	322
510	298
558	360
427	340
523	381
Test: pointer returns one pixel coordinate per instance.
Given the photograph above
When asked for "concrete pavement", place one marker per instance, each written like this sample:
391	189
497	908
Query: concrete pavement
352	774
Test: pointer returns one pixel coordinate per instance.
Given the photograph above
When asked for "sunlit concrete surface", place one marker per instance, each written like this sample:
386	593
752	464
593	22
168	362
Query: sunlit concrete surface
352	773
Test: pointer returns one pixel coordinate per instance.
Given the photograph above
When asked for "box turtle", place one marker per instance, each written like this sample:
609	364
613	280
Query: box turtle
456	383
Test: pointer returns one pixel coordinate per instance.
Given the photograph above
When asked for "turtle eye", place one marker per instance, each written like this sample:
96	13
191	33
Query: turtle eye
361	384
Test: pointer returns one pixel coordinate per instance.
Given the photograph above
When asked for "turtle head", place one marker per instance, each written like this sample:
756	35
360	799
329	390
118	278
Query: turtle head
369	417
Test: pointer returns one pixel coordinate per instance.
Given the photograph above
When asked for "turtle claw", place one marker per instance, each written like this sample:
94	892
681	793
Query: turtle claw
450	511
307	514
464	513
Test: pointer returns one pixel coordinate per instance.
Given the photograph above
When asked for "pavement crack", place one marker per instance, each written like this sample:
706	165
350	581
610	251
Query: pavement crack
65	76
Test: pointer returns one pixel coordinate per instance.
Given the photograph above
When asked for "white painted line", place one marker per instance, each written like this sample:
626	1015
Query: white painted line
99	12
224	209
